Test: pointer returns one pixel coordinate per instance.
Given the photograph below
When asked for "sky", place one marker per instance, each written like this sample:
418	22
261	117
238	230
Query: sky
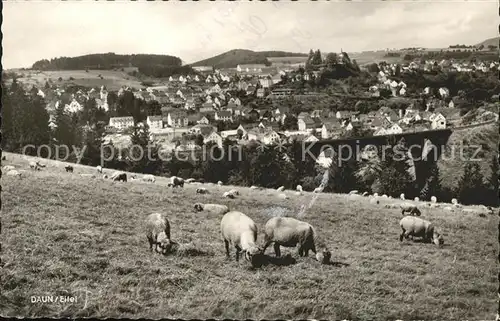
192	31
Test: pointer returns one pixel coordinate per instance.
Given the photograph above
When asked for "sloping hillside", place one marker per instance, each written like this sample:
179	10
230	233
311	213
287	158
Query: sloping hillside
451	167
64	234
236	57
490	42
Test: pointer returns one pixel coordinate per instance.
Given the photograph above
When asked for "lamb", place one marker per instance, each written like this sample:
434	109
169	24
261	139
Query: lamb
212	208
288	232
228	195
411	209
99	169
201	190
158	233
281	189
299	188
117	177
69	168
149	178
176	181
414	226
433	199
239	230
14	173
402	196
8	168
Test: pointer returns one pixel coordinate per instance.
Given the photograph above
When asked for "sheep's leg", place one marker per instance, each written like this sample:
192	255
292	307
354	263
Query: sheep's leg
226	243
301	251
238	250
401	236
277	249
266	244
150	240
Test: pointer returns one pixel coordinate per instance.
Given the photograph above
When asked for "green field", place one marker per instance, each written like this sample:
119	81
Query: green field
64	234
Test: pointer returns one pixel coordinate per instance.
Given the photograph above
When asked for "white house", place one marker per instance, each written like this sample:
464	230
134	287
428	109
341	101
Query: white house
438	121
154	122
394	129
121	122
213	138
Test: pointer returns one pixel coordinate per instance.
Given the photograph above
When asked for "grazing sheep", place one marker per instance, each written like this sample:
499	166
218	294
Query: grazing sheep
176	181
402	196
433	199
99	169
448	208
454	201
8	168
239	230
234	192
411	209
253	187
149	178
324	256
416	199
158	232
14	173
414	226
228	195
69	168
189	180
34	165
385	196
299	188
201	190
364	194
219	183
281	189
119	177
283	196
374	201
212	208
375	194
354	192
88	175
288	232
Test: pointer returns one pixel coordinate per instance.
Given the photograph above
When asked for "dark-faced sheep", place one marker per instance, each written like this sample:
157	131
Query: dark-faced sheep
240	231
412	226
410	209
69	168
99	169
212	208
288	232
34	165
149	178
201	190
119	177
176	181
158	233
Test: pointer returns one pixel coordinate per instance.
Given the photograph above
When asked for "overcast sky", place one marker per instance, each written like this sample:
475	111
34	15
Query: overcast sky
198	30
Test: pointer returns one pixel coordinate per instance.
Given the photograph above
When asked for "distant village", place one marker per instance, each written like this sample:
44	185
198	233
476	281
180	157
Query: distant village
191	105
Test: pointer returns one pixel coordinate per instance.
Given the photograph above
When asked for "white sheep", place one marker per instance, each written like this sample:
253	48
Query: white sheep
402	196
289	232
253	187
176	181
414	226
189	180
374	201
433	199
354	192
212	208
281	189
34	165
158	232
454	201
149	178
201	190
282	196
385	196
14	173
8	168
219	183
416	199
299	188
228	195
364	194
410	208
375	194
240	231
234	192
99	169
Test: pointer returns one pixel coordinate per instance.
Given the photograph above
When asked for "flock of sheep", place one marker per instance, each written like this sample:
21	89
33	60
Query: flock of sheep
238	230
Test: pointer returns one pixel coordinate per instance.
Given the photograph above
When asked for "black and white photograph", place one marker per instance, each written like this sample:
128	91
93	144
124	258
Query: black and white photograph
250	160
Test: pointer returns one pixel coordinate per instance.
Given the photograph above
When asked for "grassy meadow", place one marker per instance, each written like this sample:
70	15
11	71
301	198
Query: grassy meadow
64	234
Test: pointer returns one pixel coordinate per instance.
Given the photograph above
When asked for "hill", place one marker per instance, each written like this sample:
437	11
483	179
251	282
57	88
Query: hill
236	57
451	167
64	234
489	42
150	65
